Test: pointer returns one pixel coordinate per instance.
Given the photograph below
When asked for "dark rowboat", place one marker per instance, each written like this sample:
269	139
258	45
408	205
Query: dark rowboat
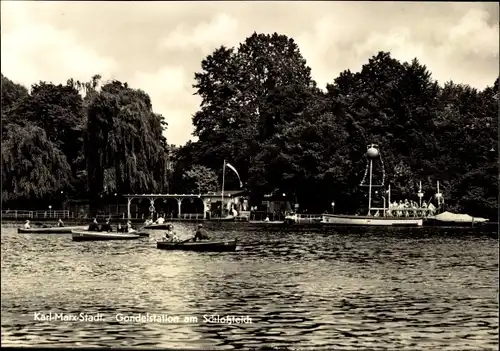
207	246
101	236
50	230
155	226
142	234
226	219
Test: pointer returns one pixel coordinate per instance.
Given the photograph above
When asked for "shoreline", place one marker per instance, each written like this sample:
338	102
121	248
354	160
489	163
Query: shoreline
215	224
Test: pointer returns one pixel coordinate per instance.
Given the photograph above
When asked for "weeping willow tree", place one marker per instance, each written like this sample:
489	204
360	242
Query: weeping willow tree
33	168
12	95
124	146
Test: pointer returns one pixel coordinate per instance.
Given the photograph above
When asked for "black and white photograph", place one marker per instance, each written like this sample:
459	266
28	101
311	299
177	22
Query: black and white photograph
250	175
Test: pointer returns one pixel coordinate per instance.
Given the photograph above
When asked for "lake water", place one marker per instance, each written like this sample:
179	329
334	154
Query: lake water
399	289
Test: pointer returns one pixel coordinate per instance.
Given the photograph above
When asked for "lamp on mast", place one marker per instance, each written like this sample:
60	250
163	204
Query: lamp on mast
371	153
420	195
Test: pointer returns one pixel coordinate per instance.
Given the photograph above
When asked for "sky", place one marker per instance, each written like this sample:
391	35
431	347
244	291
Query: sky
158	46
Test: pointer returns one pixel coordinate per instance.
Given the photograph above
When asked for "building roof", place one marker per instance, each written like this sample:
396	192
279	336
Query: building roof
212	194
226	193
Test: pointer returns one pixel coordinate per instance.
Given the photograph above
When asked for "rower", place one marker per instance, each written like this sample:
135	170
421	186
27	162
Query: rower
160	220
201	234
94	227
60	223
106	227
170	235
27	224
130	229
148	221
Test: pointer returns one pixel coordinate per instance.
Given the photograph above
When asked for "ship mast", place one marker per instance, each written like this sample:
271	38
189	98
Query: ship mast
372	153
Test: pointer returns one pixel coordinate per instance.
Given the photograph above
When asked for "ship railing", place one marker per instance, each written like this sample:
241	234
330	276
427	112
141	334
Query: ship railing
402	212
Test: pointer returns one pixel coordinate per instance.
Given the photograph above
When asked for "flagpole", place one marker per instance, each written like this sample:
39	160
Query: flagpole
389	197
223	180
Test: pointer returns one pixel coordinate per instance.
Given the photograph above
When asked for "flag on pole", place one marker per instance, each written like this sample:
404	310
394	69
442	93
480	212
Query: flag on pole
432	209
235	171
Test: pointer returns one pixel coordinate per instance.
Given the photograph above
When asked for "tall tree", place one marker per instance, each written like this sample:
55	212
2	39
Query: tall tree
33	168
391	104
240	89
58	110
124	146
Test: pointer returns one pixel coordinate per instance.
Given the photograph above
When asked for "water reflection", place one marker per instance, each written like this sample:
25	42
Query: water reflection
349	290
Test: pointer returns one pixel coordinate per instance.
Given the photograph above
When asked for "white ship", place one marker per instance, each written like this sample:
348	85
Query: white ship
383	216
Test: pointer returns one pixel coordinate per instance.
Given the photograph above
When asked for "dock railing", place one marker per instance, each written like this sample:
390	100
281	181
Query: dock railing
38	214
192	216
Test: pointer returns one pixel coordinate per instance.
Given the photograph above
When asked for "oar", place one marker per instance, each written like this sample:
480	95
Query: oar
183	242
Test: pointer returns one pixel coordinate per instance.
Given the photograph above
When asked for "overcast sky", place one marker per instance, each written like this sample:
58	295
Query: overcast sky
157	46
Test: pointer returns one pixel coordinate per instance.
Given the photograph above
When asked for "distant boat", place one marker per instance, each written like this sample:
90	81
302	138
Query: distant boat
156	226
102	236
226	219
455	220
342	220
372	153
206	246
50	230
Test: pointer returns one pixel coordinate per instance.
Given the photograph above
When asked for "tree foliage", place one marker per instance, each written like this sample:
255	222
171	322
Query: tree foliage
240	89
262	112
33	168
12	94
108	136
57	109
200	179
124	145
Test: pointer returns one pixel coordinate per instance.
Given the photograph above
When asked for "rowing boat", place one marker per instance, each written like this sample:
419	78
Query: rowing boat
142	234
50	230
155	226
207	246
100	236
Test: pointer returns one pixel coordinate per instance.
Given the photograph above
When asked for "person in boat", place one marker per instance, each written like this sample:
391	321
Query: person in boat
130	229
106	227
201	234
27	224
170	235
94	226
60	223
121	228
160	220
148	221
